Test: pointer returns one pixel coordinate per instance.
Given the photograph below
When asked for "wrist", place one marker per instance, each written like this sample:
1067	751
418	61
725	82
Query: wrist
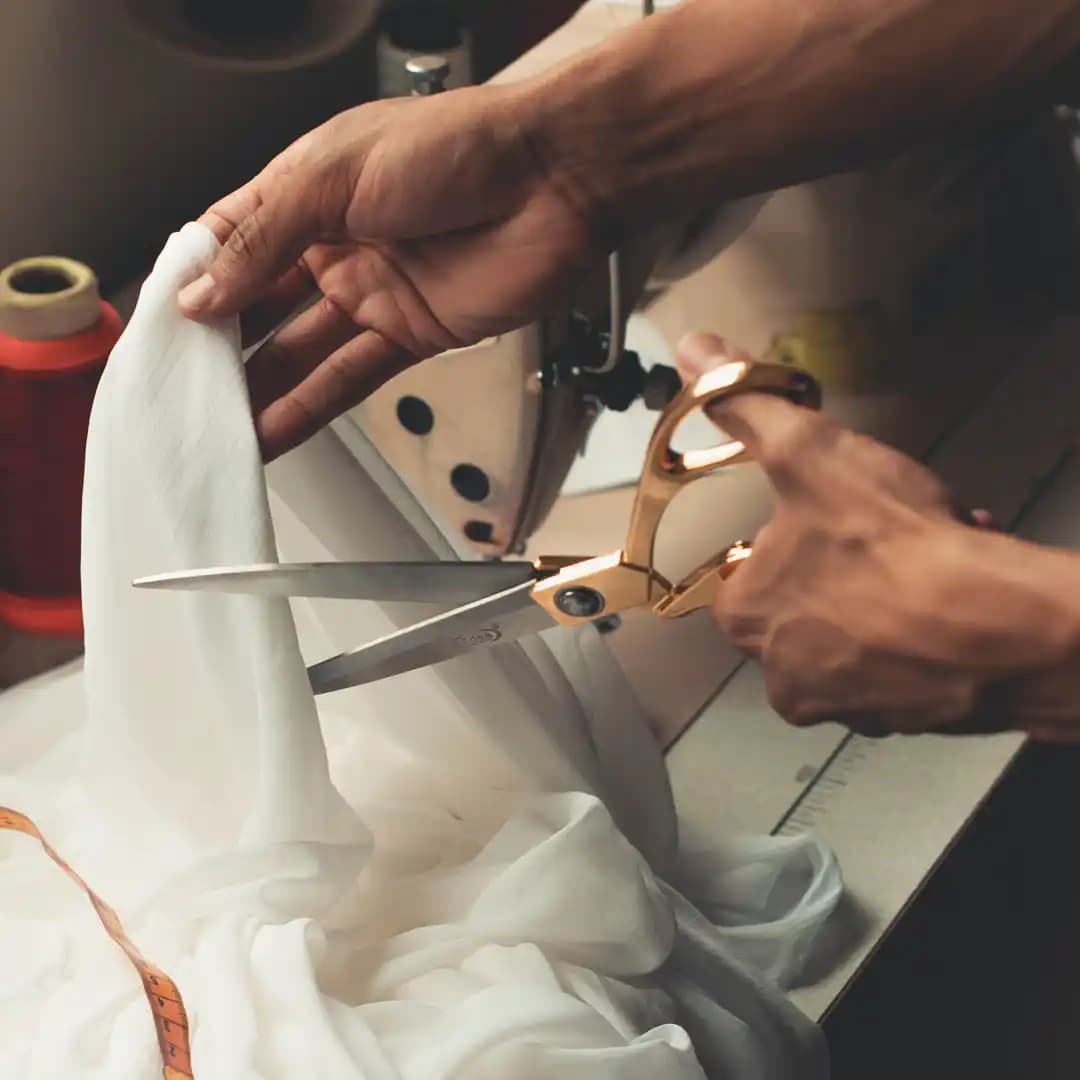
572	127
651	124
1012	607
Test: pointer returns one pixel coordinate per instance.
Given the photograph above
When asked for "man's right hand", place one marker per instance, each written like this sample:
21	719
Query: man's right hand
427	223
869	604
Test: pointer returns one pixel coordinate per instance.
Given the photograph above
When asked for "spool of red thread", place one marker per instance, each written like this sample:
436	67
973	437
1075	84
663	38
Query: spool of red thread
55	336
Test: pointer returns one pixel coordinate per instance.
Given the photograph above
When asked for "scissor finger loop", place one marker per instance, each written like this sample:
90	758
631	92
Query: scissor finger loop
666	471
628	578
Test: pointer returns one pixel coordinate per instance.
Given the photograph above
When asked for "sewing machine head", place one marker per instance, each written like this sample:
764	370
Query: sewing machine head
485	435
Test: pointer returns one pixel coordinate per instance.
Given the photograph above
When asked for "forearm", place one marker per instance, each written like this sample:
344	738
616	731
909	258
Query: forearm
720	98
1012	607
985	628
1025	601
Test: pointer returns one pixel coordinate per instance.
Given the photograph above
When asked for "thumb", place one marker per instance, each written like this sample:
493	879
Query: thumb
764	423
254	255
700	352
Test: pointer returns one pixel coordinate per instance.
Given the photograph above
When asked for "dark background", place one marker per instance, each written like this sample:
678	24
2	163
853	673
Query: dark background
982	976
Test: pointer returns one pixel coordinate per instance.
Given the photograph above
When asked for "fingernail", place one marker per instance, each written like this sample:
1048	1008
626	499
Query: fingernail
194	297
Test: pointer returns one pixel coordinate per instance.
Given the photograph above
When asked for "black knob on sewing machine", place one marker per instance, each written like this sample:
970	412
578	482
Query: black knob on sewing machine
620	387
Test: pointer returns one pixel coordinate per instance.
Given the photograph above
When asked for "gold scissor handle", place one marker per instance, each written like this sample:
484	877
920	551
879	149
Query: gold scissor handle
666	471
575	591
701	587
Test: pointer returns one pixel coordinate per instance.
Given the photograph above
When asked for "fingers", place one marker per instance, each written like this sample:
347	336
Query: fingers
231	209
282	299
697	353
262	247
342	380
786	438
295	351
264	228
1067	734
700	352
775	431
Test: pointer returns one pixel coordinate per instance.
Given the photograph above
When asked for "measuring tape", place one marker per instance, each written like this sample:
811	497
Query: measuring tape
163	995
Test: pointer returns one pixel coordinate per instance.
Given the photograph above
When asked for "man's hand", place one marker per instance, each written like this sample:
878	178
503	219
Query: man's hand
427	224
869	603
435	222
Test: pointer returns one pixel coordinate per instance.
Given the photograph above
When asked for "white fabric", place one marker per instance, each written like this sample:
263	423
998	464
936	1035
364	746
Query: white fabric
483	891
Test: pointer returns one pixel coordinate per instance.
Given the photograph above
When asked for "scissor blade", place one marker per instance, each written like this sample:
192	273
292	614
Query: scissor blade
503	617
429	582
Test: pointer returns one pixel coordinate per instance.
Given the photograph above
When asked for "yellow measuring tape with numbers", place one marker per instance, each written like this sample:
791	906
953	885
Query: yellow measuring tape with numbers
163	995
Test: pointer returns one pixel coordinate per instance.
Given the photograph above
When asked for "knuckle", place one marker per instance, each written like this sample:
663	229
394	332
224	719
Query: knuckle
733	625
786	699
871	725
247	242
801	713
299	417
737	620
810	670
960	703
919	479
304	271
329	188
333	309
781	690
724	612
791	442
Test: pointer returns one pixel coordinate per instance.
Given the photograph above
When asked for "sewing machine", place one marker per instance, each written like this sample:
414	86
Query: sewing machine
491	482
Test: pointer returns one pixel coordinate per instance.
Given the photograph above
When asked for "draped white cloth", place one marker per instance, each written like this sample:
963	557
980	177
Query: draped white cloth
462	872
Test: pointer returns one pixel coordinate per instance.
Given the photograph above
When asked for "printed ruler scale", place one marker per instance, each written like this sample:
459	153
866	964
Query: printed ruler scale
162	994
830	781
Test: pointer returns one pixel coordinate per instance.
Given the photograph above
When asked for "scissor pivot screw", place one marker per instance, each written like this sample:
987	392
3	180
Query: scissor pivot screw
579	602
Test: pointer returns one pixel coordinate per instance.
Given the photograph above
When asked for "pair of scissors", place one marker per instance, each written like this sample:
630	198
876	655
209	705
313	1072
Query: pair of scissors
505	601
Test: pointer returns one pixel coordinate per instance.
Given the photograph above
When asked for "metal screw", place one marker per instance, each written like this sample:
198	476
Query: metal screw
428	73
579	602
608	624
